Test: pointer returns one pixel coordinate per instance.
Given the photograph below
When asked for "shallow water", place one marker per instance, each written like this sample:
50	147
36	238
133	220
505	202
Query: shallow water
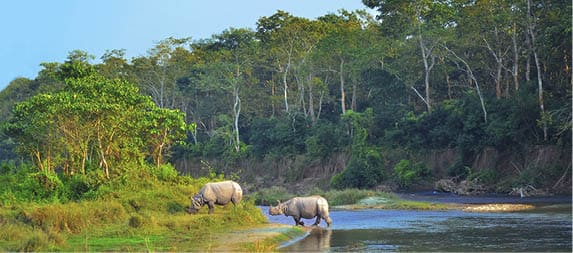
546	228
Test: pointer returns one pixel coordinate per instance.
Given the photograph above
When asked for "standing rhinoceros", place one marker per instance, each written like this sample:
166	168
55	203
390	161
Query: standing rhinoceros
303	207
220	193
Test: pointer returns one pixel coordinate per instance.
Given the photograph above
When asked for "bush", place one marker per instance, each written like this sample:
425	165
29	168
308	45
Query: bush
166	172
43	186
408	173
364	170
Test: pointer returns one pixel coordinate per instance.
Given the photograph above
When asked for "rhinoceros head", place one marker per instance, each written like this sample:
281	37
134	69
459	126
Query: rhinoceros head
196	204
276	210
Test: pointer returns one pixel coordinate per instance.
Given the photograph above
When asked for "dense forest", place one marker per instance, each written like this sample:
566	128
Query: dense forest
425	90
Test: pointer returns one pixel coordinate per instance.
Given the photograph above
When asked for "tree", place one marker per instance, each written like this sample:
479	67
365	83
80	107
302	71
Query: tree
159	73
92	119
273	31
423	22
345	46
229	69
532	34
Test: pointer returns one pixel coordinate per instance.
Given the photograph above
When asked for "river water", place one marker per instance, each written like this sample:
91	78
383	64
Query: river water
545	228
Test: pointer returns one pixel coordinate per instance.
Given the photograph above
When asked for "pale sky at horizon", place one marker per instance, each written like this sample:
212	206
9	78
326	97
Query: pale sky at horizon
36	31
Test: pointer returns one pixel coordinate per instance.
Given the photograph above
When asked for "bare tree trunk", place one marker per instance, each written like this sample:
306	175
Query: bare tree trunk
237	112
342	92
38	158
515	69
353	103
285	83
103	161
498	56
531	31
272	100
528	60
427	53
449	86
310	98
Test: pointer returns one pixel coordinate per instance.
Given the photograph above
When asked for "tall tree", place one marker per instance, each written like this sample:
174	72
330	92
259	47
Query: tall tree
423	22
158	73
344	51
532	33
230	69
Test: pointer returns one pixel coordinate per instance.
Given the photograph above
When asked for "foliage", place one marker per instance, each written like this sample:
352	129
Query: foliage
365	168
269	196
149	203
408	173
93	119
325	139
432	75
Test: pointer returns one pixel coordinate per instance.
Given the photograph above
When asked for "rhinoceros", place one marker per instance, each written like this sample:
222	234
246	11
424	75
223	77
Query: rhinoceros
220	193
303	207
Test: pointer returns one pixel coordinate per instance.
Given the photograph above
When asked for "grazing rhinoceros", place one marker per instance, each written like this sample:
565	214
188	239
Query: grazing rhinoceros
303	207
220	193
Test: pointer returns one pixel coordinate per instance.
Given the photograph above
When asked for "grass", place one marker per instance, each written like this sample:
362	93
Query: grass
147	217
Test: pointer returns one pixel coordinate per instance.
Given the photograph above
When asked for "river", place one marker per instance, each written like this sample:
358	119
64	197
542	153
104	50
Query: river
545	228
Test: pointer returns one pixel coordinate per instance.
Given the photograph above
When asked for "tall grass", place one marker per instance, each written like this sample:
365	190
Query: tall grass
142	213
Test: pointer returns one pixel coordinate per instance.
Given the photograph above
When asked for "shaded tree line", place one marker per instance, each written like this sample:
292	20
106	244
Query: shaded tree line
420	75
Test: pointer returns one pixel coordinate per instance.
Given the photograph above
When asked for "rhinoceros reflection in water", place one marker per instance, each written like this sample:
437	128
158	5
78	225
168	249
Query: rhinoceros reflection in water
318	240
303	207
220	193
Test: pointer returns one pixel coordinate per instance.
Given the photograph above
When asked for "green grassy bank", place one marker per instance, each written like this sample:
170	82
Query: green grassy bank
146	214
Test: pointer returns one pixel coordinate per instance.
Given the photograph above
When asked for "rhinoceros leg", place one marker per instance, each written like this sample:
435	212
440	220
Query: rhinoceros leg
211	207
297	221
328	221
317	220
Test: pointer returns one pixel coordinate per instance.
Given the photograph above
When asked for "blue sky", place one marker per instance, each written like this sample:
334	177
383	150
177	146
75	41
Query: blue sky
36	31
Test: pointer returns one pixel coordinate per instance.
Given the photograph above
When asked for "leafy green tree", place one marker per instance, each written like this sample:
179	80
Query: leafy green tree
229	71
158	74
345	51
93	119
365	168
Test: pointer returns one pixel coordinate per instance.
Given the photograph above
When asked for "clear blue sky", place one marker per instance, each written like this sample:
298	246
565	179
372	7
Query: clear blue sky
36	31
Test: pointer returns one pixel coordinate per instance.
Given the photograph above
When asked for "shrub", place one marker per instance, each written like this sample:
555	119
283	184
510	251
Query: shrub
408	173
42	186
166	172
364	170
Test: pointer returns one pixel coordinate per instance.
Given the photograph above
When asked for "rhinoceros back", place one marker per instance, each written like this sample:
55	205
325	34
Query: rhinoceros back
222	193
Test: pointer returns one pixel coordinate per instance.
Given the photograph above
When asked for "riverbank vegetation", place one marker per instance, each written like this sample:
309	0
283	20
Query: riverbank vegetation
144	213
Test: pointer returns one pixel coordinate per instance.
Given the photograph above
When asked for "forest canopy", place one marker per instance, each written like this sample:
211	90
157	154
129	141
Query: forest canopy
419	76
